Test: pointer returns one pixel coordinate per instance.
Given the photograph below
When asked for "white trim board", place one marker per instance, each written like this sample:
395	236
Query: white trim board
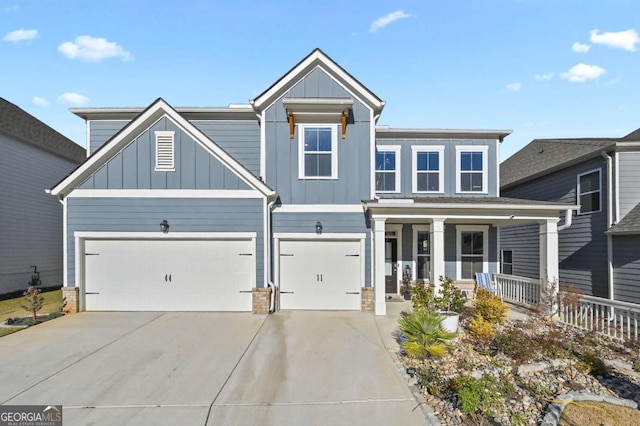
397	149
484	149
99	235
310	236
319	208
415	149
165	193
485	247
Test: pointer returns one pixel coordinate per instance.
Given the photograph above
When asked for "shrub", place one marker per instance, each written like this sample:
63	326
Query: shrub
490	307
593	365
481	329
33	301
424	334
517	345
450	298
482	396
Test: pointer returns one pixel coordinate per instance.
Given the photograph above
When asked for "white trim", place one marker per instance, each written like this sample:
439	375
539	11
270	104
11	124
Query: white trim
88	137
414	248
578	193
398	166
319	208
79	266
415	149
497	168
499	249
167	138
165	193
616	160
485	247
372	162
310	236
301	152
266	239
65	245
397	228
484	149
263	147
396	203
100	235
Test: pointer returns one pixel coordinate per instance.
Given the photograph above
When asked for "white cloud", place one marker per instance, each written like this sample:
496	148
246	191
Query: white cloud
72	99
387	19
580	48
20	35
626	40
93	49
547	76
41	102
582	72
514	87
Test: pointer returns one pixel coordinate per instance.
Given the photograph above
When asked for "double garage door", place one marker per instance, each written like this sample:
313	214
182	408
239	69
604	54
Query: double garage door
169	275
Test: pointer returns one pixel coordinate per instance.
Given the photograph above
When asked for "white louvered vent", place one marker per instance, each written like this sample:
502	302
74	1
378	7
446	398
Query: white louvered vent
165	151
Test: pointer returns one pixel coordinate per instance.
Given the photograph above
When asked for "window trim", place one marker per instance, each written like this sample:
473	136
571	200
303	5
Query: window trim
414	249
415	149
578	193
502	262
334	151
166	168
485	248
389	148
484	149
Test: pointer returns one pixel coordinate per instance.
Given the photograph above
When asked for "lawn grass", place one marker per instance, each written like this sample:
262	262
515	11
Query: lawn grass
12	308
9	330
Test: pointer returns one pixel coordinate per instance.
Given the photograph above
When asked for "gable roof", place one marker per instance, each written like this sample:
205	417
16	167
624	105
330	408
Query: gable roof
317	58
154	112
630	224
19	124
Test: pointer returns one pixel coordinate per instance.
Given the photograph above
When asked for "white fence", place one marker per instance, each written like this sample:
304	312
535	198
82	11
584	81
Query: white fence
603	316
518	290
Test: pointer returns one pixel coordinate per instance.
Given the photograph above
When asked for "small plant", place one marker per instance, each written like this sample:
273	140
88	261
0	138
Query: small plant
422	297
424	334
490	307
434	381
482	396
517	419
517	345
593	365
33	301
481	329
451	298
636	365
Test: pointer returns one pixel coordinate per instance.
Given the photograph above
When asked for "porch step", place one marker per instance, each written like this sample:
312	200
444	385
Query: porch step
467	287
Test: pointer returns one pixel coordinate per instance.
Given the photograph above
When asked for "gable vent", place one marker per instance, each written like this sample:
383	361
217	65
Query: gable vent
165	151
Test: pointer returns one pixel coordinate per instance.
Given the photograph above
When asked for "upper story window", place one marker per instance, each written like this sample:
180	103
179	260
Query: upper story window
387	168
589	193
427	169
471	169
318	152
165	151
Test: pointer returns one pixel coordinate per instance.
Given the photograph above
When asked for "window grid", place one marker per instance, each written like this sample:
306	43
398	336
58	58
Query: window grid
387	169
589	192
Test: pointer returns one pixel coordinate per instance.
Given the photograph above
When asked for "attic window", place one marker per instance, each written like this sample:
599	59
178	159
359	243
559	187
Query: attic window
165	151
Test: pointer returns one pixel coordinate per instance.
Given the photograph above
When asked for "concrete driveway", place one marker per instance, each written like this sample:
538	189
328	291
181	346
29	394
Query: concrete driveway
149	368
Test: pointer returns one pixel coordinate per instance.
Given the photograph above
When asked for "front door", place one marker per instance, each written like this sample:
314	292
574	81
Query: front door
391	265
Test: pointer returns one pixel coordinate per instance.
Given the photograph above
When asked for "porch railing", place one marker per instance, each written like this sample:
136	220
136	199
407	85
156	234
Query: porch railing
518	290
611	318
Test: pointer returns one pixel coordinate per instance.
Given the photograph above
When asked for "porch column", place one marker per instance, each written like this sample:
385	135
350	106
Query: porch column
378	266
549	272
437	252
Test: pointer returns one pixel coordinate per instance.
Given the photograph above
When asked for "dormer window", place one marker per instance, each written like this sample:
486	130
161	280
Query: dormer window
318	151
165	151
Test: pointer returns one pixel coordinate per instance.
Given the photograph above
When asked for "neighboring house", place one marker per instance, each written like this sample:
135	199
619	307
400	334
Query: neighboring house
33	157
600	252
298	191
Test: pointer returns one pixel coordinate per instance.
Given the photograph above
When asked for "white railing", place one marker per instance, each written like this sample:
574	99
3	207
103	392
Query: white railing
518	290
615	319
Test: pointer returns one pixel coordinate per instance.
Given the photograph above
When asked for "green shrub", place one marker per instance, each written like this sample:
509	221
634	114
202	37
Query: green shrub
450	297
490	307
517	345
424	334
593	365
482	396
481	329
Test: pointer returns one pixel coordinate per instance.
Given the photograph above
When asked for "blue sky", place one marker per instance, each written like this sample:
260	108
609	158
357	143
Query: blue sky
543	68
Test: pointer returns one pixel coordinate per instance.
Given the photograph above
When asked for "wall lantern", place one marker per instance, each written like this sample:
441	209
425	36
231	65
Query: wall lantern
318	228
164	226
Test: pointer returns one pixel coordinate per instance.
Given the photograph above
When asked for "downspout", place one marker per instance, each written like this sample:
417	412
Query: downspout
272	301
568	220
609	222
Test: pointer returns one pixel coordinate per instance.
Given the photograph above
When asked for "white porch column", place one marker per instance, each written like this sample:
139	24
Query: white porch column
437	252
378	266
549	271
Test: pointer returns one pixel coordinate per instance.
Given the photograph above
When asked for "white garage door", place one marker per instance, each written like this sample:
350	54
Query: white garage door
320	275
169	275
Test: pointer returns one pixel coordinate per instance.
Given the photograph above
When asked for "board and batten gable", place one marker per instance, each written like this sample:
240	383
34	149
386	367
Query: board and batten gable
354	152
406	165
629	181
134	166
582	248
32	219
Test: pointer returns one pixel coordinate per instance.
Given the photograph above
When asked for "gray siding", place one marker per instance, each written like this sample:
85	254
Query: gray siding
31	219
240	138
354	156
449	166
134	166
629	174
102	131
626	264
582	247
331	223
183	215
524	242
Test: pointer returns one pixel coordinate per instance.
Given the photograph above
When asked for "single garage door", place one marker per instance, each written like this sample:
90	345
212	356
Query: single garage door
321	275
169	275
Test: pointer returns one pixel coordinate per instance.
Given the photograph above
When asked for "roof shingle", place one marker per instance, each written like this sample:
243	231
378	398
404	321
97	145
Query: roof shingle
630	224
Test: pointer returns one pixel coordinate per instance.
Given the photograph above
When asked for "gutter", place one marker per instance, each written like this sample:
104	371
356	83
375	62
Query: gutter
609	222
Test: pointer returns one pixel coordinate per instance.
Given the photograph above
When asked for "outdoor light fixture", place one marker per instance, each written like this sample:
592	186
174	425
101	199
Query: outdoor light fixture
411	371
164	226
318	228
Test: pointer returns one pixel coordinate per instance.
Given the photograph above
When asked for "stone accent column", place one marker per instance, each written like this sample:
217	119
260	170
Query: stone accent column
71	298
378	262
437	252
368	299
261	300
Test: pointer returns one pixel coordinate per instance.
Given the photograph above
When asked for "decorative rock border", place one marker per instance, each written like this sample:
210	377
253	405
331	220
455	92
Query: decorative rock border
554	412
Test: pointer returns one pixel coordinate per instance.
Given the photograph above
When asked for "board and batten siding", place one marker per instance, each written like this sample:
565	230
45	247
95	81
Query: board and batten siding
31	219
629	174
582	248
406	166
183	215
354	155
334	223
134	166
626	268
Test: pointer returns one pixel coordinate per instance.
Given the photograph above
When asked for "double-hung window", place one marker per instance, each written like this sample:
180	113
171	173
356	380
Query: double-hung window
387	168
589	193
427	165
472	251
318	152
506	261
471	169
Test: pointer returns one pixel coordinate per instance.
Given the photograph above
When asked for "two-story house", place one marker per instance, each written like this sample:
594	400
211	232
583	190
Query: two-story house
600	253
298	194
